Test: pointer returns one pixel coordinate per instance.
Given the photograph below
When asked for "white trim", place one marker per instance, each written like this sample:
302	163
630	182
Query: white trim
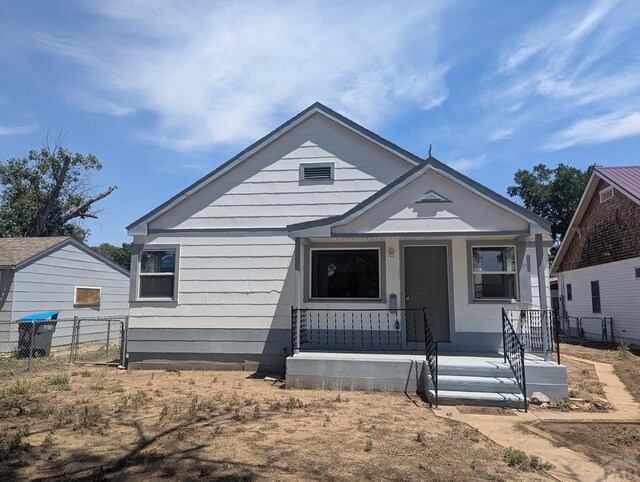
148	248
515	272
312	299
75	295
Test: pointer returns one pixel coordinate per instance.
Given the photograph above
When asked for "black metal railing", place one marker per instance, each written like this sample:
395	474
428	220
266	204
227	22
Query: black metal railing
316	329
513	350
538	330
431	354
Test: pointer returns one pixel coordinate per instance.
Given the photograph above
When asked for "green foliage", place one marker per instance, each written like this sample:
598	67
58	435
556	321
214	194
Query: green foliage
43	193
553	194
121	256
61	381
518	458
369	445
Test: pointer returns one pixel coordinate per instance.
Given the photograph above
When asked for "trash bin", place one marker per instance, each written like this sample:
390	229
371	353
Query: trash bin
35	333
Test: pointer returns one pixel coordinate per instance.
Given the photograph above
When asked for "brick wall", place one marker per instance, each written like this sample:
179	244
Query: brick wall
609	231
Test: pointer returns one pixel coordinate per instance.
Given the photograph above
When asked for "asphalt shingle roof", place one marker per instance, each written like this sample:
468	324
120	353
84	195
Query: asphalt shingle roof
16	250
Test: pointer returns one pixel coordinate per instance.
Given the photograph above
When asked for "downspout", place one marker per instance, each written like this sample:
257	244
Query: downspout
542	291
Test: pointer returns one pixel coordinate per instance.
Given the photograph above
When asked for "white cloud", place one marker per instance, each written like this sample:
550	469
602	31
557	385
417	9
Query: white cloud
469	163
228	72
98	105
501	134
597	130
6	130
578	60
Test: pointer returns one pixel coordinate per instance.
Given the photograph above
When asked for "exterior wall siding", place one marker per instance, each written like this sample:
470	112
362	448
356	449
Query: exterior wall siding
7	332
266	191
609	231
236	289
619	297
49	284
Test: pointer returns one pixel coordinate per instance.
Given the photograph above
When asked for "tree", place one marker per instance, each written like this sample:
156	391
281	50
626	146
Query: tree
553	194
47	192
121	256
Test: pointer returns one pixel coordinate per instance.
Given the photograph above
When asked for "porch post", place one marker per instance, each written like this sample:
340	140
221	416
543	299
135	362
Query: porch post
296	292
542	291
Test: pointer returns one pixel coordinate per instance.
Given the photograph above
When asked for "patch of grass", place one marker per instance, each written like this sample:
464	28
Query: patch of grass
421	437
63	415
238	416
562	403
368	446
85	373
623	351
520	459
90	416
61	381
11	442
139	399
256	412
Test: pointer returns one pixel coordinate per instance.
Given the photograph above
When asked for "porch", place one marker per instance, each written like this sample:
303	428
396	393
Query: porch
395	350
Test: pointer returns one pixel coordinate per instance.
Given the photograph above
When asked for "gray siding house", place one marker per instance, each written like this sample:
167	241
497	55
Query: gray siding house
323	237
56	273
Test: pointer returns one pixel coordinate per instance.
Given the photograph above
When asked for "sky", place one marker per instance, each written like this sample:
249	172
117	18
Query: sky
164	91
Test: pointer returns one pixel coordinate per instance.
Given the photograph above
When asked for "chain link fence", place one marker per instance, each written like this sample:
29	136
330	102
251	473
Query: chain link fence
32	345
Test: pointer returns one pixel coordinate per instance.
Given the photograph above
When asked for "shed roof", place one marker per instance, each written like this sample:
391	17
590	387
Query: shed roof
14	251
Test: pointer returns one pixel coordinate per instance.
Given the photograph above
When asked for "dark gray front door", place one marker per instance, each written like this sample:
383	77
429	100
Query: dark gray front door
426	284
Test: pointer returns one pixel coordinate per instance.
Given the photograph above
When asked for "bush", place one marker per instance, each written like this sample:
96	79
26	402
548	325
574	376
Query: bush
369	445
520	459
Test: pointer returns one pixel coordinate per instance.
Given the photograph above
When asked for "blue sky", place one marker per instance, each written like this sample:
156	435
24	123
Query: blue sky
162	92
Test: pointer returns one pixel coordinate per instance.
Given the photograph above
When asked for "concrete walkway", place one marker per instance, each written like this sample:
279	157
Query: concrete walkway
519	431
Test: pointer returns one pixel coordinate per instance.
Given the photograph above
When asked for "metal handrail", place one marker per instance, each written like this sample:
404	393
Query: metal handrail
513	351
357	329
431	354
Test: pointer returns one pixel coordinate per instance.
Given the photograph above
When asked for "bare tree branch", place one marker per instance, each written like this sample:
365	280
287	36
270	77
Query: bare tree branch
81	211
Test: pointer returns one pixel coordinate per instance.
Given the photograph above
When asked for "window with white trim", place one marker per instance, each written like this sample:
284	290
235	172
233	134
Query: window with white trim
345	273
157	274
494	273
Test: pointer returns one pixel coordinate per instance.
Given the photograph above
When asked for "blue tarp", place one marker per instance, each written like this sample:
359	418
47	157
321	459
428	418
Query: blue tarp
45	315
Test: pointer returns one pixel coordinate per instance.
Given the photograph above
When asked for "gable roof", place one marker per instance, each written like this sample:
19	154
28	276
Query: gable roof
317	107
16	253
625	179
430	163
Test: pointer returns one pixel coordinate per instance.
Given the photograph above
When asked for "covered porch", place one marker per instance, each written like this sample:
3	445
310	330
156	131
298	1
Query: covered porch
429	275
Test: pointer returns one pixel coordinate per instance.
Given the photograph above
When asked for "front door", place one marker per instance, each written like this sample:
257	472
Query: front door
426	285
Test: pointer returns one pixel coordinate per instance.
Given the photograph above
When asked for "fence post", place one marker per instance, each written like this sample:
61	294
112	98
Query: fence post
123	342
74	338
33	335
108	334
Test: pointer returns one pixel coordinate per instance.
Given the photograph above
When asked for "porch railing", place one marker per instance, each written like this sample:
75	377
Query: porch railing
431	354
538	330
315	329
513	350
364	330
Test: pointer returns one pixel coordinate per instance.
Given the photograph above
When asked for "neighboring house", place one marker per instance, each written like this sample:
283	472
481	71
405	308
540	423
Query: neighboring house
598	263
324	214
56	273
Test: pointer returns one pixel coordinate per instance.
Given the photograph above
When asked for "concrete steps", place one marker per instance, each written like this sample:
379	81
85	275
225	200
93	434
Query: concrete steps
487	382
497	399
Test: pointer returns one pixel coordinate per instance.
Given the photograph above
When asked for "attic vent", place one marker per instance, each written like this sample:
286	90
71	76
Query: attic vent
606	194
316	172
432	197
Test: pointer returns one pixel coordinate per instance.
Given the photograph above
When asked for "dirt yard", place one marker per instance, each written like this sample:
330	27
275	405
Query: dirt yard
626	361
97	423
612	445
